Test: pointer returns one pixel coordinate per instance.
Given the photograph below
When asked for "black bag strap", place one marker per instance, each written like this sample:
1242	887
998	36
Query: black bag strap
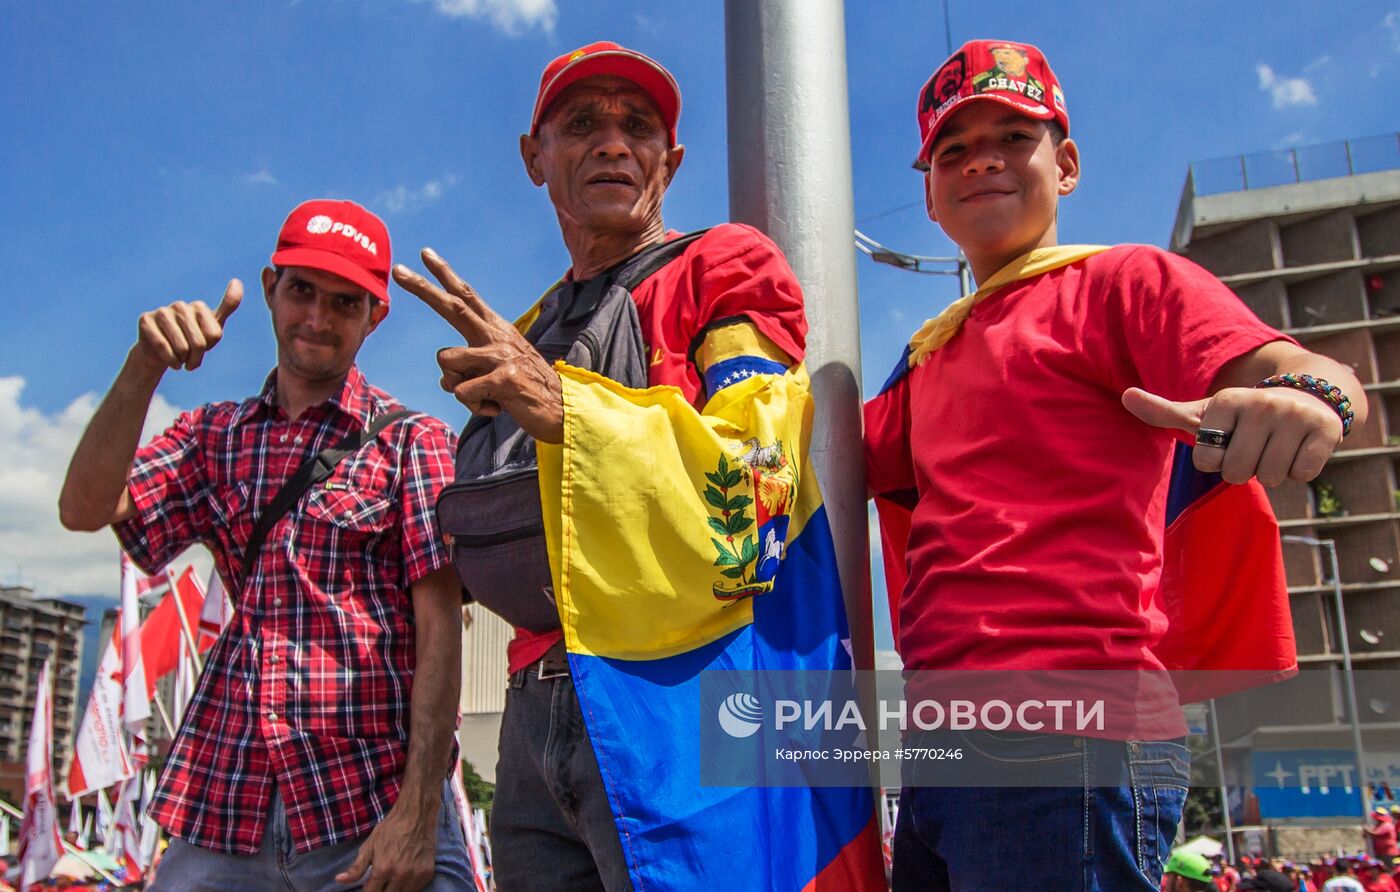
639	268
312	471
630	273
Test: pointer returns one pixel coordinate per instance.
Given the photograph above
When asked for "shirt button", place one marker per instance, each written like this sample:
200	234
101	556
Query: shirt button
297	439
276	602
273	658
272	716
348	515
284	438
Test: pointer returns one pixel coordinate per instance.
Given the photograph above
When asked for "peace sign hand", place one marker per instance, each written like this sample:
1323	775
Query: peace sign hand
498	370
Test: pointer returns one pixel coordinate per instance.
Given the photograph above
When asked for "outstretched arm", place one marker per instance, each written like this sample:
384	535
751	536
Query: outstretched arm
175	336
1275	433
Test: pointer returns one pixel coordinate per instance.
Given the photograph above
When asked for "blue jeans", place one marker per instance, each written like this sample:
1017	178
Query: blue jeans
1056	818
278	866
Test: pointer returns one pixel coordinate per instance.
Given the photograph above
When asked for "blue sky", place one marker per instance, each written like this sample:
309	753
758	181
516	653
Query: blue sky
151	150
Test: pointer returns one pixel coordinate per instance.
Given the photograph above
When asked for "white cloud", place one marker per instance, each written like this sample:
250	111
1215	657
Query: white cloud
1285	91
1293	140
888	659
1391	24
404	198
35	447
261	178
510	16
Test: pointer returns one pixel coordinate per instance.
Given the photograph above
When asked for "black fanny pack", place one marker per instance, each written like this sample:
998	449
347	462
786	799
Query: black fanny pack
491	510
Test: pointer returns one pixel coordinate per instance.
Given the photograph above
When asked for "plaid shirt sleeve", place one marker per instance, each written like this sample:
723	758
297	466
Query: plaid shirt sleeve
428	466
167	483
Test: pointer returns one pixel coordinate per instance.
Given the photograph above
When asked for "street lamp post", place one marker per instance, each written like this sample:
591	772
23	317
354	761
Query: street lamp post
1224	794
1348	676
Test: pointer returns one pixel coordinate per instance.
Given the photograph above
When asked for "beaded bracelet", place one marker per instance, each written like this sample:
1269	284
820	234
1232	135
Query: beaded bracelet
1329	393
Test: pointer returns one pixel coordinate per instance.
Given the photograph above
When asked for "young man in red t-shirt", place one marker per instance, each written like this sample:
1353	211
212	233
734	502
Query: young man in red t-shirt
1027	438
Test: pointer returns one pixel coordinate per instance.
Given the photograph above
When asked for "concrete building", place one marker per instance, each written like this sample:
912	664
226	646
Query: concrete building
32	631
1309	239
484	680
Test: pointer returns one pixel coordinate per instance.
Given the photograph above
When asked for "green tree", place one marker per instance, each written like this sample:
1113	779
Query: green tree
479	792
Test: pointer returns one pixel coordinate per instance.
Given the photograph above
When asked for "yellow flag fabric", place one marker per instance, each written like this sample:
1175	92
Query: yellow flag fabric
939	330
663	522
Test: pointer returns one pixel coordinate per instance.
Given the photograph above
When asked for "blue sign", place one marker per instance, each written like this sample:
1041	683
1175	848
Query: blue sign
1314	783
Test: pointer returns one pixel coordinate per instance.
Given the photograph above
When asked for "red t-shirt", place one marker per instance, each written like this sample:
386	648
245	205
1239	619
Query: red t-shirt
731	273
1380	882
1383	839
1038	500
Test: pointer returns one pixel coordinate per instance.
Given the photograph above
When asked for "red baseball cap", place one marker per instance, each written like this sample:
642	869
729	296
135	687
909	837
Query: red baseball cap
1015	74
606	57
337	237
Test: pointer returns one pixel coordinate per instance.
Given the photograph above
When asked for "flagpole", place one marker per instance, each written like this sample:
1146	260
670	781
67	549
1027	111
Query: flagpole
82	856
164	715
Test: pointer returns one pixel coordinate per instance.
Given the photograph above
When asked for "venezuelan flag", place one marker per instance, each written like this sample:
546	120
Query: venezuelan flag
1224	589
682	544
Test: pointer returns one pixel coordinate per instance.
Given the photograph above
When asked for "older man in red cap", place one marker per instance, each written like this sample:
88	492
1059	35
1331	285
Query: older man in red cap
320	741
596	788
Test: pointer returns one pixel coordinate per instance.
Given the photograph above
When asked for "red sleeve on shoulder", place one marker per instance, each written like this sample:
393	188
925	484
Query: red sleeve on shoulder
889	464
739	273
1179	323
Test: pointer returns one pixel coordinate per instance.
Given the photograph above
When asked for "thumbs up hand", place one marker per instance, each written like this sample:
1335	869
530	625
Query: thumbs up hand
1274	434
179	334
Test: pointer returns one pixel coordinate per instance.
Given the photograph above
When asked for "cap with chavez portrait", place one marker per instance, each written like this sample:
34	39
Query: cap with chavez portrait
1014	74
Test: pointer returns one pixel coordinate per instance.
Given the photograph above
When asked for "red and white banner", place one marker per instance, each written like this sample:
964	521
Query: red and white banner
166	626
99	755
100	758
104	820
40	846
217	610
149	587
150	831
186	677
136	698
85	835
125	829
75	818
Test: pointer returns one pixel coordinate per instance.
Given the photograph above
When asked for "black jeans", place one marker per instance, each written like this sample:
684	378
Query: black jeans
551	825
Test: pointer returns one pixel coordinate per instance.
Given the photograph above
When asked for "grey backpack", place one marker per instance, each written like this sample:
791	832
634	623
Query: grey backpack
491	510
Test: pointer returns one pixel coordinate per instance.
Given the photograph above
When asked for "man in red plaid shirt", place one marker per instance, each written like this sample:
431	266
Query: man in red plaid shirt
320	739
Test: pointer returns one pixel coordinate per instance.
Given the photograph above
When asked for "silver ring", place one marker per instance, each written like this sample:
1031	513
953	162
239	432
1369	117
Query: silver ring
1208	436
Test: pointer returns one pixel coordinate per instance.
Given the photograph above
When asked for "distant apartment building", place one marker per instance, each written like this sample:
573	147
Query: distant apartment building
31	631
1309	238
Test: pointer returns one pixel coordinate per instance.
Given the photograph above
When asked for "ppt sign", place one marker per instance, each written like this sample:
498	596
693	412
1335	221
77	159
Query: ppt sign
1316	783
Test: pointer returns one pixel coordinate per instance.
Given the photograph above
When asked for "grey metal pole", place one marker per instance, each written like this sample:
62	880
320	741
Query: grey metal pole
1350	678
790	176
1224	794
1348	674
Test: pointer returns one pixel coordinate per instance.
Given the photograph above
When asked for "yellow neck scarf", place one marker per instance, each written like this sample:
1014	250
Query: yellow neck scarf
940	330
